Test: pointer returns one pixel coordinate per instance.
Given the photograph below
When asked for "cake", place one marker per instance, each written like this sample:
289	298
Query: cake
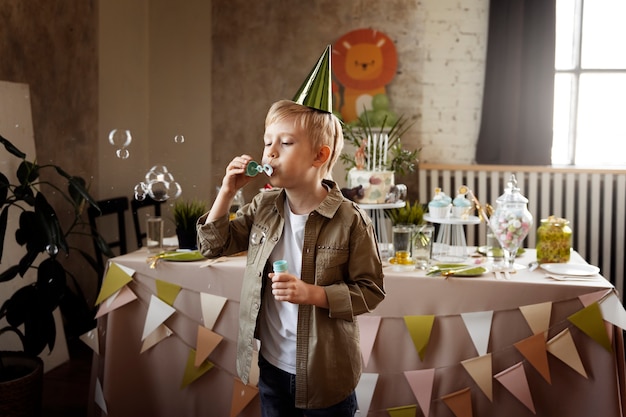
376	184
439	206
461	206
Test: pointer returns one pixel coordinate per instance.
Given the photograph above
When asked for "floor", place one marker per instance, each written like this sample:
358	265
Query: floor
66	387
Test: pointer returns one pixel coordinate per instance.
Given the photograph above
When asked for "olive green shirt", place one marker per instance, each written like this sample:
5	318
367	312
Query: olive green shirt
340	253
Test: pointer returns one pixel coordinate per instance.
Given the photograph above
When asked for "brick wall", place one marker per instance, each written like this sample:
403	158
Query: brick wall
262	54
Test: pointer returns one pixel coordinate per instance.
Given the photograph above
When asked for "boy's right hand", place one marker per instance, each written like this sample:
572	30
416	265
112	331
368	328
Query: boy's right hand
235	177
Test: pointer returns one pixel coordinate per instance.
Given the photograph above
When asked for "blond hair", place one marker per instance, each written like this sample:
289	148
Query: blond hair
321	127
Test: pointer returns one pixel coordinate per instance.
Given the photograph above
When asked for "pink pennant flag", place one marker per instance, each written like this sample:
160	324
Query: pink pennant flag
562	346
514	380
592	297
478	325
459	402
242	395
123	296
91	339
590	321
368	328
364	392
420	327
534	350
421	382
206	342
537	316
155	337
480	369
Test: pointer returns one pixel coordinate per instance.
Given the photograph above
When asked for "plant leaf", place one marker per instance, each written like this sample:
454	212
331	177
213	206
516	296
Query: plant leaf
50	222
11	148
4	219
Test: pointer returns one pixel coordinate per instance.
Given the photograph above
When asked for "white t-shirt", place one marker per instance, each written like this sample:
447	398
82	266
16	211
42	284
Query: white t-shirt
279	321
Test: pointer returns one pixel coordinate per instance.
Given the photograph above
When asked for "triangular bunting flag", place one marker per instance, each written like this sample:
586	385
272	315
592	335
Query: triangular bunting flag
242	395
404	411
459	402
364	392
206	342
480	369
91	339
212	306
478	325
368	328
534	350
121	297
99	397
590	321
115	278
167	291
593	297
420	328
421	382
613	311
191	372
537	316
562	346
514	380
155	337
158	312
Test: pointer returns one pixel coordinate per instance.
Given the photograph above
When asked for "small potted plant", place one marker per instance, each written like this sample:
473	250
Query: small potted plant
186	214
413	215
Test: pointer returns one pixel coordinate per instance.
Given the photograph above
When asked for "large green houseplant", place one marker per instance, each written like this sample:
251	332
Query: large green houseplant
29	310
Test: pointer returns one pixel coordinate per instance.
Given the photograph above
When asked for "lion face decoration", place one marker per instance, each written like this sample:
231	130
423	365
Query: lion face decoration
364	62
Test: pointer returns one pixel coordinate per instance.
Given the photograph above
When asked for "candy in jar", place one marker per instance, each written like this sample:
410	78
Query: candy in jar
554	240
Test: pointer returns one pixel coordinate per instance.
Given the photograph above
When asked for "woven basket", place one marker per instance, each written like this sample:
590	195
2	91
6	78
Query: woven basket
21	396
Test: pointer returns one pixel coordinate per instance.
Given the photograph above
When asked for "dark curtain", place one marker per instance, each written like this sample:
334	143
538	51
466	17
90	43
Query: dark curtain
516	125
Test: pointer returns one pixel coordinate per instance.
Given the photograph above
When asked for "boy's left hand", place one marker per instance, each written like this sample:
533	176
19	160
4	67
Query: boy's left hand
287	287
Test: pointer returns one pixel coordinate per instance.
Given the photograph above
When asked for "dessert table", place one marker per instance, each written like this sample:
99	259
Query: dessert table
524	346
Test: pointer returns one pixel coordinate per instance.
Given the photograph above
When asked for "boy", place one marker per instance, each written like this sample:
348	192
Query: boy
309	359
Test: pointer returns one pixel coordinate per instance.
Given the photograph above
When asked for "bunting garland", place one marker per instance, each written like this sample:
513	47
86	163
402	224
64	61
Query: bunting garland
600	311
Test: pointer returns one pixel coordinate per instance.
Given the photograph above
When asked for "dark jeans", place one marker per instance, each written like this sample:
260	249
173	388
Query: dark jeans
277	390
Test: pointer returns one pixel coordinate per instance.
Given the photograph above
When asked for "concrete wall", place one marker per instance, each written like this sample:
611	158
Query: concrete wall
209	70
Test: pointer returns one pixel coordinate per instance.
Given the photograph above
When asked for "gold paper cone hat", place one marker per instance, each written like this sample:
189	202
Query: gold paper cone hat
316	90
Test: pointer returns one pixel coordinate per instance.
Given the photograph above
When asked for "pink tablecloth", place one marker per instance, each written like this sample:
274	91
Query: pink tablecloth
149	383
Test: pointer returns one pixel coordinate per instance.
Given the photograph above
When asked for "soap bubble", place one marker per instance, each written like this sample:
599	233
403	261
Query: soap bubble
52	249
141	190
122	153
159	185
179	139
120	138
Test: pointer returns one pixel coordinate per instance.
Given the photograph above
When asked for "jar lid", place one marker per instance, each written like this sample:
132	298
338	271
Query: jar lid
555	221
512	193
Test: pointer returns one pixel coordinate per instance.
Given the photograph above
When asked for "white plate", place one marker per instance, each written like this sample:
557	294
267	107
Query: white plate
571	269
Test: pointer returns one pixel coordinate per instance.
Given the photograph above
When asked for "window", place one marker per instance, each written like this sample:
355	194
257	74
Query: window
590	83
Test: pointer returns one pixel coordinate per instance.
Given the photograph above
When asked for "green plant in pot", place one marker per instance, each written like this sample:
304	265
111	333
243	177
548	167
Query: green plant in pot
29	310
186	214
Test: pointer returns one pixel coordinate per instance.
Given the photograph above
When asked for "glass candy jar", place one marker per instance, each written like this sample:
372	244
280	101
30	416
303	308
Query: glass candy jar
511	221
554	240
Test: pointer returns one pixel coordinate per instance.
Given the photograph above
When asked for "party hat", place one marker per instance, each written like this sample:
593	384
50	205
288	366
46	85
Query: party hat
316	91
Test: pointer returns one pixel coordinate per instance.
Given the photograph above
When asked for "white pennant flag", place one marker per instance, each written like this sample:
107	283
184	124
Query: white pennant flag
478	325
158	312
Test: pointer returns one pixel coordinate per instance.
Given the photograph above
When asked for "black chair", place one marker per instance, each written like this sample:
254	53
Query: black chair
119	207
137	205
